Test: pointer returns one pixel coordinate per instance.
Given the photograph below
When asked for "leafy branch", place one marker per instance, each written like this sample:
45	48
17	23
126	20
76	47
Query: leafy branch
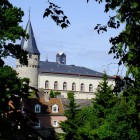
57	15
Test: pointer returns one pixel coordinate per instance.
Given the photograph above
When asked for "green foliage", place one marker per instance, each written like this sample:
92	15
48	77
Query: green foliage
121	123
12	88
117	117
125	46
10	31
57	15
12	91
105	99
70	126
90	120
54	94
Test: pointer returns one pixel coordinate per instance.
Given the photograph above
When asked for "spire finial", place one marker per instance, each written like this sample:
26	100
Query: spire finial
29	12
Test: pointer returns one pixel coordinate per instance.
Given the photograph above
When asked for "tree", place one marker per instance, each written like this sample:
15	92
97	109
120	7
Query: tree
89	120
125	46
123	120
12	91
105	99
54	94
70	126
10	31
12	88
103	103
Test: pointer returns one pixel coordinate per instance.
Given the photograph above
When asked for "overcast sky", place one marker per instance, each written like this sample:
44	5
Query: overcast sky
80	42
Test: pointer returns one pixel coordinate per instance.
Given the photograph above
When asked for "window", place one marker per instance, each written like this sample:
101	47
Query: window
73	87
55	123
55	108
90	88
37	123
37	108
30	56
64	86
46	84
55	85
82	87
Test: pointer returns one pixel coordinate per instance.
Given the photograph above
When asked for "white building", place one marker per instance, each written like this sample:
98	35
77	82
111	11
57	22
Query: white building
57	75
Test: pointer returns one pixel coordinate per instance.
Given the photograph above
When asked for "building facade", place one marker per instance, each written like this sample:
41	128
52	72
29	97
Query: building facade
57	76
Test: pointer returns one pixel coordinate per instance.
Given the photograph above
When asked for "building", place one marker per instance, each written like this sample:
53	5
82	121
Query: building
49	112
57	76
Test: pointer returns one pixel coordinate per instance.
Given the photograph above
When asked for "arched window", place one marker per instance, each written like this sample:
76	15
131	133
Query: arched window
82	87
55	85
37	108
64	86
47	84
73	87
90	88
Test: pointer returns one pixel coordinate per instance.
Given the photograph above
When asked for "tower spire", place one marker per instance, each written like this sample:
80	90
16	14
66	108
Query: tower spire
30	44
29	13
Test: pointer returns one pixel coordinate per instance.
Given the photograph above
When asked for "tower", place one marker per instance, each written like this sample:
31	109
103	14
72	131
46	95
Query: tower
61	58
31	70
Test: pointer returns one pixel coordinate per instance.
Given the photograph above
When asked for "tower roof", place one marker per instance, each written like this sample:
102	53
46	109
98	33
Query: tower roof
61	53
29	44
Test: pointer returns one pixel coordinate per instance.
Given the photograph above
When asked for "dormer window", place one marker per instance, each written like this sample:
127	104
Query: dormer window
37	108
55	108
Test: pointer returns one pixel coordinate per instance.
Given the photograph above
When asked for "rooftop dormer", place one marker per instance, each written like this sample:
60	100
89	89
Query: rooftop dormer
61	58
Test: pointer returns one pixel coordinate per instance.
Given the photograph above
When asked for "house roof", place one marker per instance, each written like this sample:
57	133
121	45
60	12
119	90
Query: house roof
46	106
29	44
81	102
54	67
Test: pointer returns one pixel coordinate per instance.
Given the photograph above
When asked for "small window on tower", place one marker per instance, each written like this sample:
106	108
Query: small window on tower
30	56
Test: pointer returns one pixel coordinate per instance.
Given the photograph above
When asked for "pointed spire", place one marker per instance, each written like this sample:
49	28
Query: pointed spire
29	44
29	13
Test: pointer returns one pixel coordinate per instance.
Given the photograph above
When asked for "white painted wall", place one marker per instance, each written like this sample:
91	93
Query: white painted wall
60	78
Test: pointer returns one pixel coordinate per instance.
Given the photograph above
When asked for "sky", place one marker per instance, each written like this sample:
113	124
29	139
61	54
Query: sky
82	45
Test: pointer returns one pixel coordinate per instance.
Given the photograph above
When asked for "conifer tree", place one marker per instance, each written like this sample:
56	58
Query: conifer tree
71	124
102	105
105	99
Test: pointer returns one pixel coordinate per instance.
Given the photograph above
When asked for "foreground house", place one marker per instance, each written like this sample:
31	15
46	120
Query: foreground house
49	112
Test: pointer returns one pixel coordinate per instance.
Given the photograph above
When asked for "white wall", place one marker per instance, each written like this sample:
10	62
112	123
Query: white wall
60	78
